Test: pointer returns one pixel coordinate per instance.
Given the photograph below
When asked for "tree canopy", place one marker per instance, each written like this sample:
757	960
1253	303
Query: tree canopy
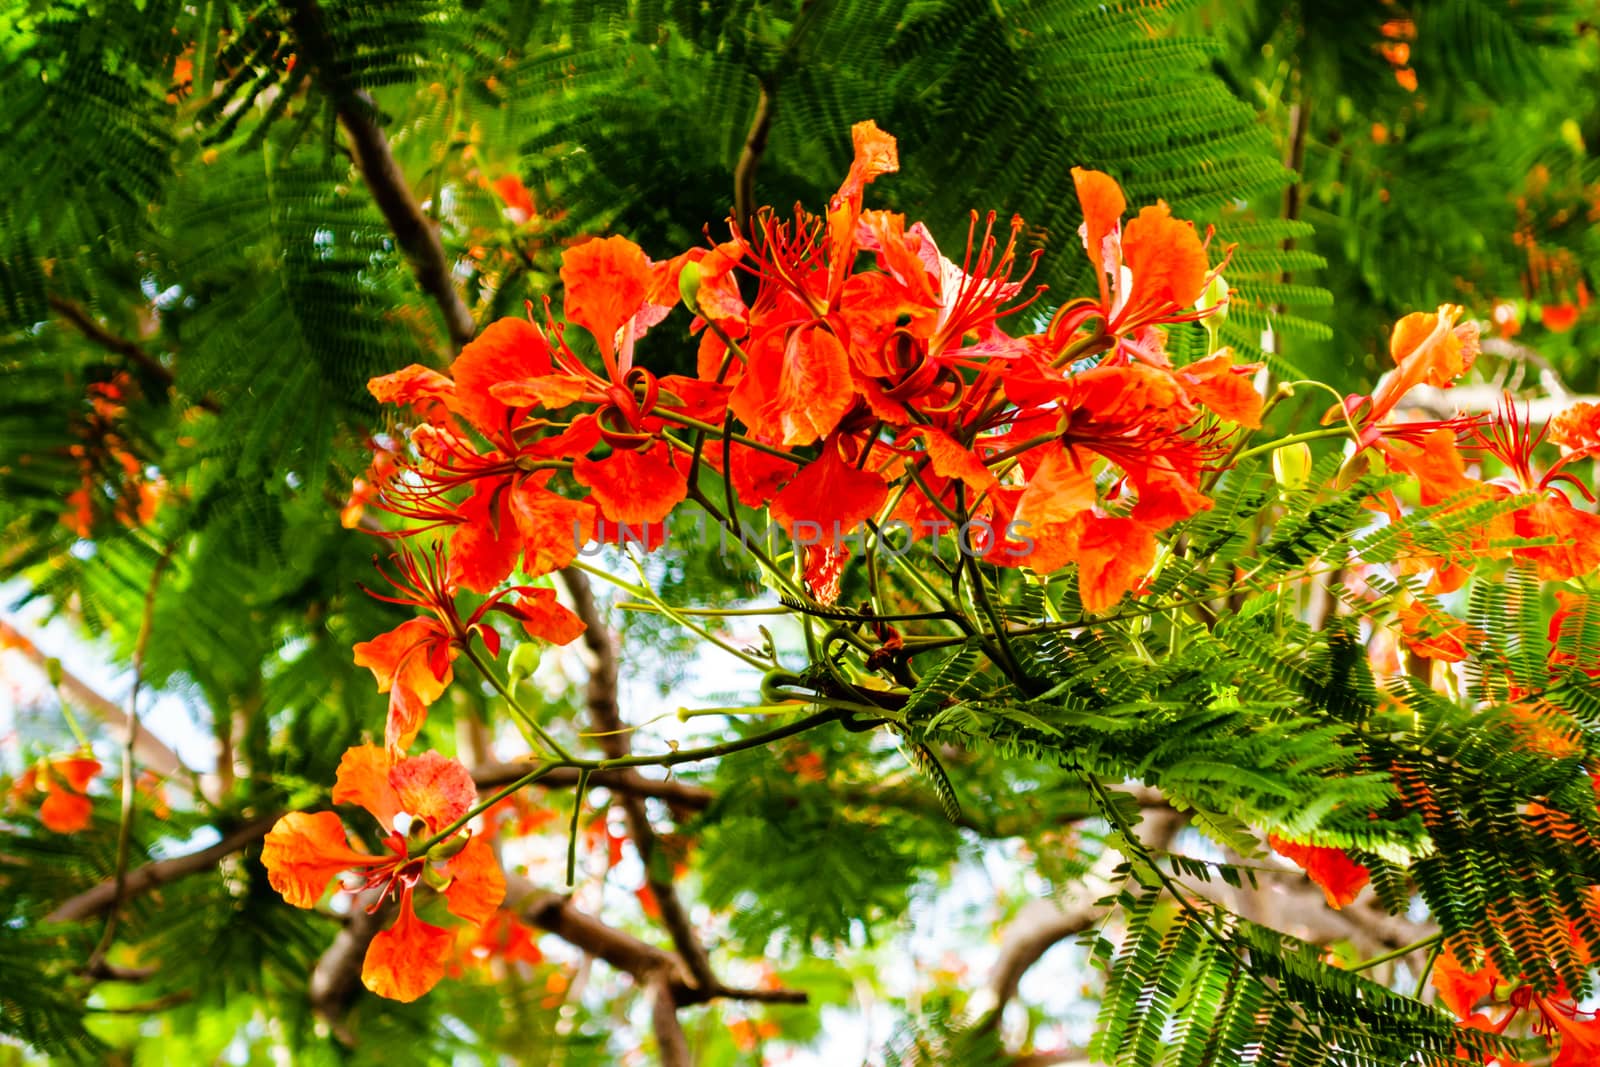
779	532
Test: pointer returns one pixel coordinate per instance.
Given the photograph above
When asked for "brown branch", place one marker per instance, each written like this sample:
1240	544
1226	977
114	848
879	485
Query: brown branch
155	755
416	235
681	795
337	976
98	900
606	717
755	143
131	351
556	913
671	1044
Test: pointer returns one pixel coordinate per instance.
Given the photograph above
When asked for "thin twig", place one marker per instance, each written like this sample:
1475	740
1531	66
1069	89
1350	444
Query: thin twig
607	718
129	742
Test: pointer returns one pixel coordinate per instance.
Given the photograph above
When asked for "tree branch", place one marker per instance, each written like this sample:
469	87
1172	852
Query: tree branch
416	235
607	719
556	914
149	749
671	1043
131	351
337	975
98	900
676	794
755	143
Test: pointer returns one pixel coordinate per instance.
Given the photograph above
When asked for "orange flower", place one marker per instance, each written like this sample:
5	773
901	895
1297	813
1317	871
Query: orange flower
518	201
1461	989
412	661
1433	634
1150	272
66	808
1340	878
429	794
1426	347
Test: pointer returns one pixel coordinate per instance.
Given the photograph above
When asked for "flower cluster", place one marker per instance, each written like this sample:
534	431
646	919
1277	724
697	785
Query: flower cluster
849	376
420	805
835	395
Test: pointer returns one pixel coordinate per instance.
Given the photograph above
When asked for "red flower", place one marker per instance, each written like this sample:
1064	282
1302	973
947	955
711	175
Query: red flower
66	808
304	851
1340	877
1150	272
1427	348
1511	438
412	662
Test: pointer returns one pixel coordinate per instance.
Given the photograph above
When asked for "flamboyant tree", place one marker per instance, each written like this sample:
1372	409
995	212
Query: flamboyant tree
437	453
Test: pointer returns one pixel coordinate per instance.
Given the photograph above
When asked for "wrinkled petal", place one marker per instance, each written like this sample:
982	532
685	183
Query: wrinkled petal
434	788
1460	989
553	528
606	281
1113	554
363	778
485	547
634	487
477	885
544	617
797	386
403	662
1167	261
1061	488
427	392
509	349
304	851
1103	205
830	493
1217	384
408	959
951	459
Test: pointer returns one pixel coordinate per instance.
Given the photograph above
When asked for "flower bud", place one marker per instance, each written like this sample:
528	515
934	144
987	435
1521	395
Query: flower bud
1291	466
689	286
524	658
450	847
1215	297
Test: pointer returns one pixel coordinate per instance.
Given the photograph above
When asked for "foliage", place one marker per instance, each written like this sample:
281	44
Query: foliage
1260	587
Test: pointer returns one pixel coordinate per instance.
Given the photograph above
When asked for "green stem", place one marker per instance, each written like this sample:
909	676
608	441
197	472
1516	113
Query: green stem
516	705
667	759
1404	950
1293	439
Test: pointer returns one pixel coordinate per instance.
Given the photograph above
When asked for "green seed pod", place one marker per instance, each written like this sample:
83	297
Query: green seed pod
1291	466
689	286
523	661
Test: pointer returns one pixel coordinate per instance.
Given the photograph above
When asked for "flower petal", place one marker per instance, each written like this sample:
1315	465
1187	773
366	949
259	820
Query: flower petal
632	486
408	959
477	885
1103	205
303	852
363	778
829	493
509	350
1340	877
65	812
434	788
606	281
1167	260
546	618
